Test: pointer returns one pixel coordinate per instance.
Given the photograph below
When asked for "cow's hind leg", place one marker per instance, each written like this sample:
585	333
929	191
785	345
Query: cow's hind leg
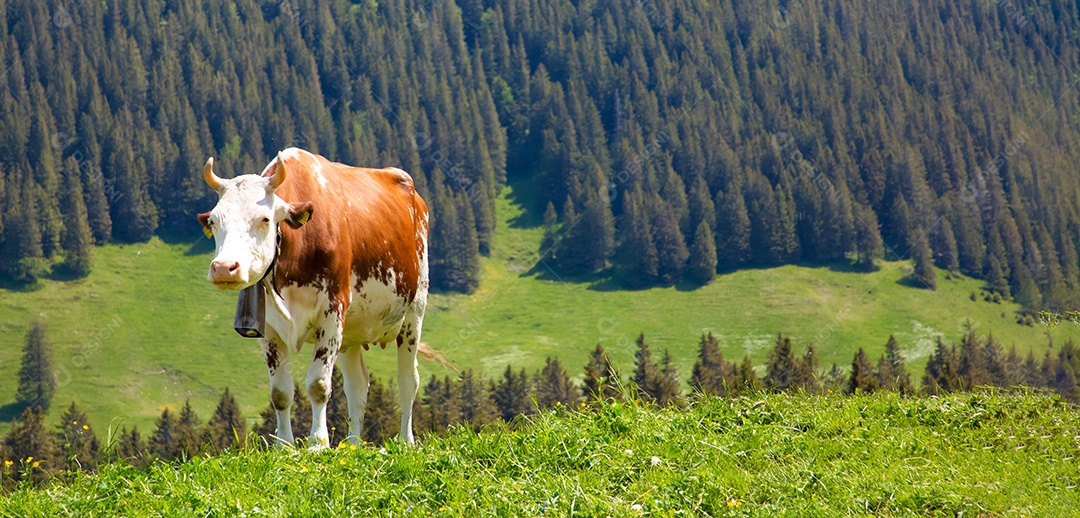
276	353
408	341
355	374
327	343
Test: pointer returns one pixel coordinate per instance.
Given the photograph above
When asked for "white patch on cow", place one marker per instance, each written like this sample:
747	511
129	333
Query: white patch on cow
240	234
316	168
376	312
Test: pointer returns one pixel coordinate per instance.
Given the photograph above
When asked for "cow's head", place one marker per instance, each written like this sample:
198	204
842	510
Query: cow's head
244	224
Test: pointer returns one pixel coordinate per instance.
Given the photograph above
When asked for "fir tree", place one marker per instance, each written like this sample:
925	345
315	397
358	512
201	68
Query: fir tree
551	233
131	448
37	380
780	374
732	230
30	446
226	427
553	386
189	440
862	379
941	375
923	272
746	379
892	371
868	241
601	379
79	446
703	260
164	442
667	391
477	407
511	394
711	374
645	371
973	365
76	238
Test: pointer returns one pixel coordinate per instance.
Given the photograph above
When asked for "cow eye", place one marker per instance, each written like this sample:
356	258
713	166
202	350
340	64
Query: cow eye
266	220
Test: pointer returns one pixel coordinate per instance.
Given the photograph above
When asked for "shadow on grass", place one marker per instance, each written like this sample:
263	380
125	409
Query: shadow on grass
11	411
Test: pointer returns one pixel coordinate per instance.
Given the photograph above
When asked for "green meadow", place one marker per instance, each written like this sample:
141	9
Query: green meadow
145	330
974	454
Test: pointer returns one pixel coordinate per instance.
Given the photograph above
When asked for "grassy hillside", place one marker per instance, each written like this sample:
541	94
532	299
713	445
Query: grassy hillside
146	329
967	454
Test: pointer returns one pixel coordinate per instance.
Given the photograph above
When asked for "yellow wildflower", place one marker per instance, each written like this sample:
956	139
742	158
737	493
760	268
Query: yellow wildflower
352	446
8	463
30	458
342	462
37	463
85	427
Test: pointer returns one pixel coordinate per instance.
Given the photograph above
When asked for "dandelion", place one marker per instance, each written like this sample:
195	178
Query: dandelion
341	445
37	463
85	427
352	447
582	404
30	458
342	462
8	463
74	422
733	503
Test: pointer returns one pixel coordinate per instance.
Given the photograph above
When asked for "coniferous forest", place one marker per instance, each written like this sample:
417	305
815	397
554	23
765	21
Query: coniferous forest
661	141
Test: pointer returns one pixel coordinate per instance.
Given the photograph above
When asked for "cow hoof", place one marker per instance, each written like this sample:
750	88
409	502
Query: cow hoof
315	444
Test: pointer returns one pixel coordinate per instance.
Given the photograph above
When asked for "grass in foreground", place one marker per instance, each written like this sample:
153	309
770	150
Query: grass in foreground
999	454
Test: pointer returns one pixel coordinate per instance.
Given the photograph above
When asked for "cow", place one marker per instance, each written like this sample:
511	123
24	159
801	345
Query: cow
342	254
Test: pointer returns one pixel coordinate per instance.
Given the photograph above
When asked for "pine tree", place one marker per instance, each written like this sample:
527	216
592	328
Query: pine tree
711	374
76	238
667	391
511	394
746	379
30	445
974	369
601	379
637	254
189	440
477	407
892	371
553	386
37	380
868	241
671	252
164	442
923	273
703	259
863	378
941	374
806	377
226	427
780	374
645	371
131	448
79	446
995	278
732	230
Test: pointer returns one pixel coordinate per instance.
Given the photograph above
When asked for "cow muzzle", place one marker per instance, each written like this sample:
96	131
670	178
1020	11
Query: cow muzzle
226	275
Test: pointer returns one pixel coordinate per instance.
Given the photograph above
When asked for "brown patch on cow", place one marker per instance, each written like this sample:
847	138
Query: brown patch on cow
319	390
400	340
280	400
382	228
319	333
271	355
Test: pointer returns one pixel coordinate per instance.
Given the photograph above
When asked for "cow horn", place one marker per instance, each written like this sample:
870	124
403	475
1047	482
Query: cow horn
208	174
279	173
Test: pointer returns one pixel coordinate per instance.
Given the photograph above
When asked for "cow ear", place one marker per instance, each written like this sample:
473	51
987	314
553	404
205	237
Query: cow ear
299	214
204	218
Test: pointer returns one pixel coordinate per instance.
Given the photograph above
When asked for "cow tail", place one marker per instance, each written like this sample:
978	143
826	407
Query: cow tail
431	355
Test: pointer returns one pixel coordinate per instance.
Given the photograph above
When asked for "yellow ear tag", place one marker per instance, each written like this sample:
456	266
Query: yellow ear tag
304	218
209	233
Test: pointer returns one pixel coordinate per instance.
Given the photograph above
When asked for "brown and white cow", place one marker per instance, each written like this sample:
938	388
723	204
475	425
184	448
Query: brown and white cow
354	274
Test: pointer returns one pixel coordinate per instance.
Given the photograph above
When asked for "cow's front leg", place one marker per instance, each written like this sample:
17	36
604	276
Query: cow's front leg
276	353
327	343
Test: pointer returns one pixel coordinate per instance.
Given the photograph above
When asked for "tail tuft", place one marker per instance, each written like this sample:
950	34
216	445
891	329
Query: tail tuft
431	355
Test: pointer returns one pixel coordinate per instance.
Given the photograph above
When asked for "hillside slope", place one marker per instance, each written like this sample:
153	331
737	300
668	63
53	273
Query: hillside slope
146	330
785	455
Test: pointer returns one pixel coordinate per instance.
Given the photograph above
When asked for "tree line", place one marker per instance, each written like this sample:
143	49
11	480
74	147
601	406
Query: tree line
660	142
31	450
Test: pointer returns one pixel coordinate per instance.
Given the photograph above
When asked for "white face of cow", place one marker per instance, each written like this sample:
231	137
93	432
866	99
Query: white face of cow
244	225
